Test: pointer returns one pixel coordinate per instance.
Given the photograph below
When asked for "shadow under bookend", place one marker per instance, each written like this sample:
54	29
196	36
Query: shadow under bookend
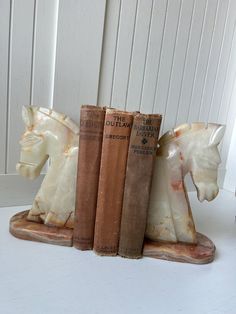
113	187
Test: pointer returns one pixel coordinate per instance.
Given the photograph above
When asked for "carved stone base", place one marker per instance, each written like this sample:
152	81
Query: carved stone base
201	253
21	228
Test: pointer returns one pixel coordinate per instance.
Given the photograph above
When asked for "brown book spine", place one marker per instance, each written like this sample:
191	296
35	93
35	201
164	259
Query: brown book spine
90	147
140	163
116	135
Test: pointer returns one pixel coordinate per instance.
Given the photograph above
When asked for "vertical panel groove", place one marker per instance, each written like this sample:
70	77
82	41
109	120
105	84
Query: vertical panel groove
145	62
54	55
33	52
159	61
227	72
218	63
185	60
9	83
230	98
102	50
229	102
208	59
131	54
114	67
230	122
197	62
20	69
172	63
177	57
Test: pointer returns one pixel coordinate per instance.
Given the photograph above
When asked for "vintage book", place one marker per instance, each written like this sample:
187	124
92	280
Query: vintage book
90	146
116	135
140	163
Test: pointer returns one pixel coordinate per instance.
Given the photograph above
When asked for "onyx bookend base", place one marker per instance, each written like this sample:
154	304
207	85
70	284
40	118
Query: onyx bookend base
21	228
201	253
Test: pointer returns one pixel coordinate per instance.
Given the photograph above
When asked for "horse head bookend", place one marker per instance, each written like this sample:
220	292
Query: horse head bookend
170	230
187	148
53	136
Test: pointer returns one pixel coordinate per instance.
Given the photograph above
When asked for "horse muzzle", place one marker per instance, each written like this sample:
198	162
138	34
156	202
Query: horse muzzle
28	170
207	191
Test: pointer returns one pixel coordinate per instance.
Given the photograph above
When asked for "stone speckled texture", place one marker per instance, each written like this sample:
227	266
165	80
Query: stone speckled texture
189	148
54	136
201	253
24	229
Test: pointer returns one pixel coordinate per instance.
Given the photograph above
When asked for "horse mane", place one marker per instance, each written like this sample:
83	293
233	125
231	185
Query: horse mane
184	129
65	120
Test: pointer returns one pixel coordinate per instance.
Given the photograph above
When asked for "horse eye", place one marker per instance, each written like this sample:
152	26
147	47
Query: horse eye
30	140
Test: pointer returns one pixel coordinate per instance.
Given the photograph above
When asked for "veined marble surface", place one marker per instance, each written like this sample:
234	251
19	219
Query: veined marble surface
187	148
38	278
52	135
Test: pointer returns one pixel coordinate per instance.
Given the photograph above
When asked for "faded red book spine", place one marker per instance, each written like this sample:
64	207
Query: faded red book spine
90	147
140	163
116	135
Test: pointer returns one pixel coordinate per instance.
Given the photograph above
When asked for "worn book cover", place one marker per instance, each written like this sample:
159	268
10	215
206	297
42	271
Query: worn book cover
90	146
140	163
116	135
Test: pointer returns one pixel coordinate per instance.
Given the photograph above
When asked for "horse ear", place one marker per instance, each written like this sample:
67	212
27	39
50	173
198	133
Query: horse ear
27	116
217	135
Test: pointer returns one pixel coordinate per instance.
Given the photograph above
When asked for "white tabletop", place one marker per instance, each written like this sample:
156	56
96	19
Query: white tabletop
42	278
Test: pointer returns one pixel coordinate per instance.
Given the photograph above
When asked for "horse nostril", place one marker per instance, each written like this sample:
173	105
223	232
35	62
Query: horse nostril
201	192
212	191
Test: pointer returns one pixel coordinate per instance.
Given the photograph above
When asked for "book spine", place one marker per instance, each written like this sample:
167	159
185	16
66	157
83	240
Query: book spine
90	146
116	135
140	163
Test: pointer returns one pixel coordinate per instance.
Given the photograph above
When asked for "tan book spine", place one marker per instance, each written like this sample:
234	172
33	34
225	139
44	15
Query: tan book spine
140	163
90	147
116	135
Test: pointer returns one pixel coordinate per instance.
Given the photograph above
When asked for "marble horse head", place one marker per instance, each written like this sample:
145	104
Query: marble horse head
54	136
187	148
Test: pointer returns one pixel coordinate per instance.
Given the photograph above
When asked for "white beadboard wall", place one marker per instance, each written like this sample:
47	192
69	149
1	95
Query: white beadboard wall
174	57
